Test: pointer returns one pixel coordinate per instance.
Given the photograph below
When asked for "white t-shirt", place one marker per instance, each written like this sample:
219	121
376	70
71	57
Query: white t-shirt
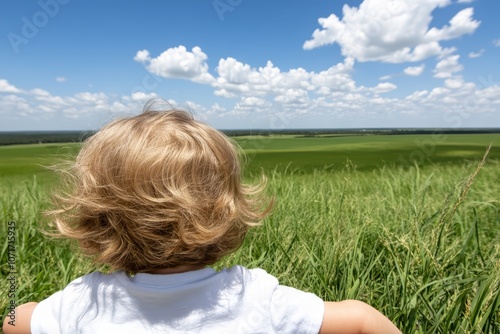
235	300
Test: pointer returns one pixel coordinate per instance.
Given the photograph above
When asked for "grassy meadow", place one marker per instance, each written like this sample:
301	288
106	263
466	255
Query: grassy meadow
407	223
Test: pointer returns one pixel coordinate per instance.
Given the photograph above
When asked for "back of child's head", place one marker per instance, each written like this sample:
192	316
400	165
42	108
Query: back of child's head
157	190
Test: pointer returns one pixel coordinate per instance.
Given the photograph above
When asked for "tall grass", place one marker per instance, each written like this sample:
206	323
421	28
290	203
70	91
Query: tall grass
419	244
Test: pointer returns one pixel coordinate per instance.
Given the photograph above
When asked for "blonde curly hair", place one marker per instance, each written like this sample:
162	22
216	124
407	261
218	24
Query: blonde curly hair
157	190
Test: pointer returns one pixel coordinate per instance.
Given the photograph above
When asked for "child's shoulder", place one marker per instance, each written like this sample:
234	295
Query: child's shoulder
92	281
98	276
250	274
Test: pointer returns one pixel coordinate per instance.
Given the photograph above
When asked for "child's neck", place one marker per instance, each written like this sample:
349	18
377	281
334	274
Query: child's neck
174	270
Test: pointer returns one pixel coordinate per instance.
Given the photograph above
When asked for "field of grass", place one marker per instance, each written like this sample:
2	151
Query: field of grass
22	162
408	224
364	152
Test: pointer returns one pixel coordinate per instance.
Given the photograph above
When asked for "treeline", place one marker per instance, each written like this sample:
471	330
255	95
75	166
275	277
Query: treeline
360	131
40	137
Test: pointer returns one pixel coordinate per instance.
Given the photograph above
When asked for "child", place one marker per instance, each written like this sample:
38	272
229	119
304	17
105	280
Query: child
158	197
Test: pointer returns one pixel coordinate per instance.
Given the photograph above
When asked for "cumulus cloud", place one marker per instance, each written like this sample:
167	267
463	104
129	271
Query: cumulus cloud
447	67
264	90
41	104
142	97
287	87
6	87
14	104
391	31
335	79
142	56
414	71
384	87
291	88
268	91
177	62
454	83
452	100
254	101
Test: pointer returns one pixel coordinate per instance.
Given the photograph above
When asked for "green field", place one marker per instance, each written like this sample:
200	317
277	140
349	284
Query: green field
365	152
299	153
407	223
21	162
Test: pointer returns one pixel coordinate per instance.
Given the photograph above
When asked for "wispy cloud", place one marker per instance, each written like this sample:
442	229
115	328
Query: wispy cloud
476	54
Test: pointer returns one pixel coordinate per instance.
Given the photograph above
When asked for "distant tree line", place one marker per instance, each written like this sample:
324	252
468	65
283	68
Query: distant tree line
40	137
360	131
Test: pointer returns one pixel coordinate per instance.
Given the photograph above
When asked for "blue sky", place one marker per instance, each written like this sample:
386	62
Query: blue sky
236	64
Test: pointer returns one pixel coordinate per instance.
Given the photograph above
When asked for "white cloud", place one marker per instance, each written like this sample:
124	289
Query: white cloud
496	42
222	92
336	78
383	87
462	23
415	96
454	83
216	108
476	54
251	105
142	56
39	92
268	90
446	67
14	106
391	31
60	79
143	97
295	97
236	78
254	101
414	71
279	107
39	103
6	87
232	71
91	97
291	88
465	1
177	62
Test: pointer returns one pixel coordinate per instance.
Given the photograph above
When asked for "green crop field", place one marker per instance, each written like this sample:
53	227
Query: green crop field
407	223
21	162
364	152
